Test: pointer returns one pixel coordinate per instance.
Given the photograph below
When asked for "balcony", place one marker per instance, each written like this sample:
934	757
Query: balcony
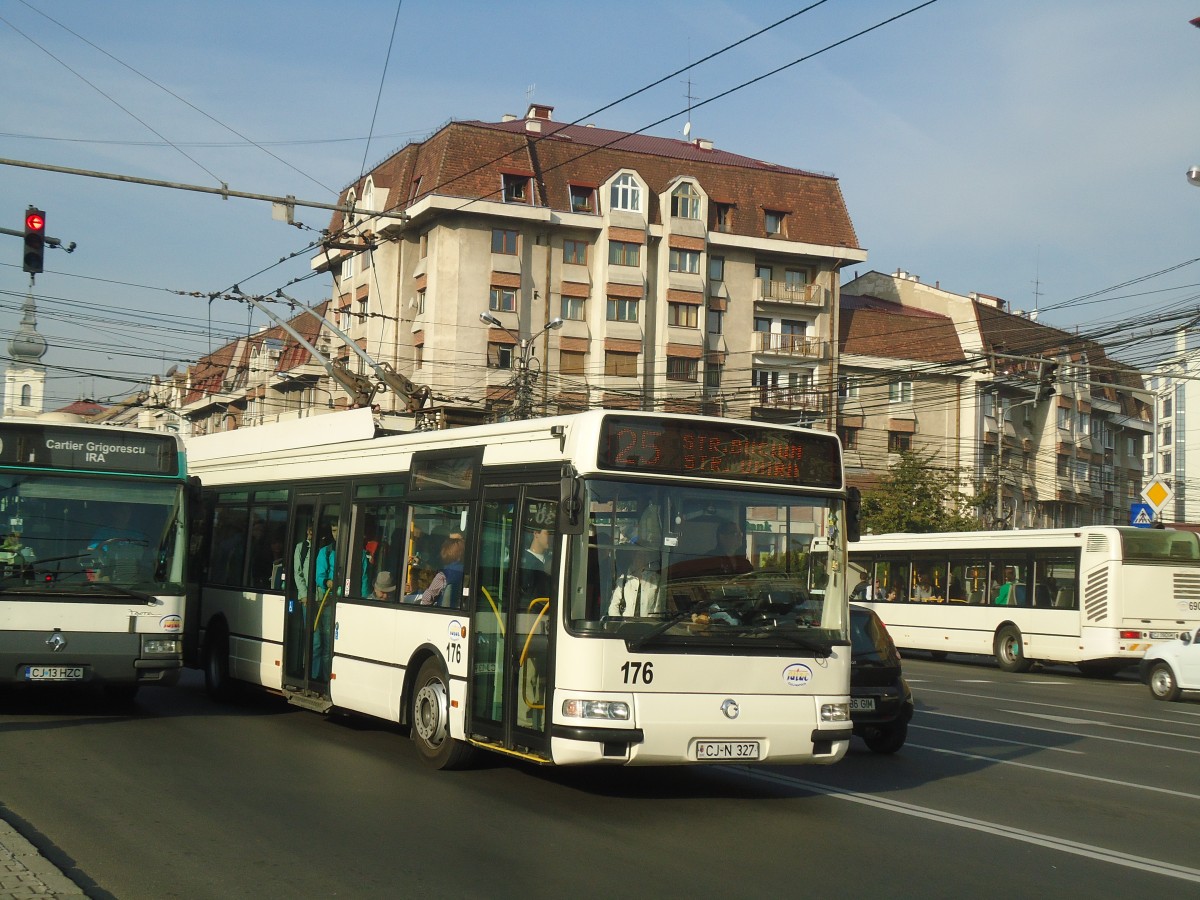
791	345
794	399
812	296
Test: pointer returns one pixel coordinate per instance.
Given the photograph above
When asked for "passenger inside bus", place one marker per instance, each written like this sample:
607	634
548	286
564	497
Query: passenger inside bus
446	587
726	557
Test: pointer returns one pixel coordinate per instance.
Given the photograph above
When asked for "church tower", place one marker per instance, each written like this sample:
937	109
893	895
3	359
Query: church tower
25	380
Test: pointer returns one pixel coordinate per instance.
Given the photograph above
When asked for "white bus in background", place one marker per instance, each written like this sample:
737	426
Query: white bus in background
543	589
92	552
1095	596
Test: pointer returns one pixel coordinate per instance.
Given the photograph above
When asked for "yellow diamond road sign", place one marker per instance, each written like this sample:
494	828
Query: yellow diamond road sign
1157	494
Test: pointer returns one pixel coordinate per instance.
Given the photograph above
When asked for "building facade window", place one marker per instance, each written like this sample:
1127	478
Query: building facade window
583	199
423	245
420	303
899	442
848	387
685	202
503	300
572	308
1166	434
773	221
795	279
1166	407
624	253
680	368
713	321
571	362
626	194
712	375
575	252
763	273
620	364
500	356
516	188
504	240
722	216
900	392
849	437
683	315
716	268
685	261
622	309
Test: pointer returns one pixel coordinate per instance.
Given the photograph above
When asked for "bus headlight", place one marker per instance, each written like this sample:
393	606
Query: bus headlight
835	712
160	646
596	709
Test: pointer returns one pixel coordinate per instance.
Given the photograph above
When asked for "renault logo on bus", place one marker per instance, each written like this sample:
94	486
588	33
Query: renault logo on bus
797	675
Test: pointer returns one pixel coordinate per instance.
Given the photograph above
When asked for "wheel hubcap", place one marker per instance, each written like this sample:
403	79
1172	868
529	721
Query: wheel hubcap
431	710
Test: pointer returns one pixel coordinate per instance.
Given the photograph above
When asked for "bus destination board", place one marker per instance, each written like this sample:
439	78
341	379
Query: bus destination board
87	449
741	451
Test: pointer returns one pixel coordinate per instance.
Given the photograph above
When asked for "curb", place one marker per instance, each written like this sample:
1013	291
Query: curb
26	874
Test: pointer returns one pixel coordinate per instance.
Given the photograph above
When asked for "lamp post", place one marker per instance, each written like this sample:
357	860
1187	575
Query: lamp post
523	380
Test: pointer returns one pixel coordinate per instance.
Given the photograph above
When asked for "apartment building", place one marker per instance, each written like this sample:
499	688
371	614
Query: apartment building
613	269
1044	419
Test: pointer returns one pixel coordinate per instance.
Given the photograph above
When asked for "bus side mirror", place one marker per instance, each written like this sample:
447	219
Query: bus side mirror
853	514
195	493
570	501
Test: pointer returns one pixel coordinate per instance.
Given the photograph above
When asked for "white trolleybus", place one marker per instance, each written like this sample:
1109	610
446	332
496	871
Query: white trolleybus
1095	596
92	558
618	588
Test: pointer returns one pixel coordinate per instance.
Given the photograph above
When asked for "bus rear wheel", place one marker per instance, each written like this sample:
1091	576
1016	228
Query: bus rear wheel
430	720
1010	655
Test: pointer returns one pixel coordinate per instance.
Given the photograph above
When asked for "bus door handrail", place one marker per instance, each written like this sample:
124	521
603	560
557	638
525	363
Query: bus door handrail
545	604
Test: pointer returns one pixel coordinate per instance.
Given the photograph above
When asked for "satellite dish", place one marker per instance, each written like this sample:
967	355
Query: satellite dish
687	129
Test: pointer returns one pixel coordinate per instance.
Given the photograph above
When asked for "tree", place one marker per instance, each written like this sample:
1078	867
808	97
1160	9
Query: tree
917	496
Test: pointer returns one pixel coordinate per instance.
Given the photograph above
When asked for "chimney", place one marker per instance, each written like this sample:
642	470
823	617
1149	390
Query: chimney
533	126
540	111
703	144
508	117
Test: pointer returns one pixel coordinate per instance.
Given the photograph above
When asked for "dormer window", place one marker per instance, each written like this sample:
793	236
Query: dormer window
516	188
583	199
626	194
685	202
773	221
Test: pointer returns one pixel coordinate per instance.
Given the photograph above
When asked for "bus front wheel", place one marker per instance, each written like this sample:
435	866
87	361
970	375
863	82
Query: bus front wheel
216	664
1010	655
430	719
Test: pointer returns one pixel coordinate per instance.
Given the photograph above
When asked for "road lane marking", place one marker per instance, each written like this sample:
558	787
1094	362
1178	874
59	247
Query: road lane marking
1022	765
1062	720
1092	737
974	734
1045	841
1059	706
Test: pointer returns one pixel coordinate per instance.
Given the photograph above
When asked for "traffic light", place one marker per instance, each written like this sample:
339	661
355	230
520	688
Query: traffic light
1047	373
35	240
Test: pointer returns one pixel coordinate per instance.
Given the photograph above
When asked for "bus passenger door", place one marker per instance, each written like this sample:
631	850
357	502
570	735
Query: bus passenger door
316	561
513	622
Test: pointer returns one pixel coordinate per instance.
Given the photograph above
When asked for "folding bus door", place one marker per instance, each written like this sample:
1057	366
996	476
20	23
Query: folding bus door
513	620
317	561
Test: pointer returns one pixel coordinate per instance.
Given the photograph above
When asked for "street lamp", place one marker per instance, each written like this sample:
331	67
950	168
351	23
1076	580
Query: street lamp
523	381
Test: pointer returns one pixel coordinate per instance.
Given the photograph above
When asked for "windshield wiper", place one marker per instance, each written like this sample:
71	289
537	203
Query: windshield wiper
642	640
148	599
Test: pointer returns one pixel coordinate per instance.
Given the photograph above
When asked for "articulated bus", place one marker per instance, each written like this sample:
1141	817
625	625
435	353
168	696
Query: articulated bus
92	560
619	588
1096	596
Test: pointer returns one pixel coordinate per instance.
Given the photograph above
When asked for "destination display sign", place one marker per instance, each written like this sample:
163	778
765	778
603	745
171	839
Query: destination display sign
45	446
740	451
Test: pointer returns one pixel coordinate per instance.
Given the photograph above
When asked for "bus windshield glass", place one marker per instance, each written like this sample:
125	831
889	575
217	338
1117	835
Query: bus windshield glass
61	533
1161	545
704	566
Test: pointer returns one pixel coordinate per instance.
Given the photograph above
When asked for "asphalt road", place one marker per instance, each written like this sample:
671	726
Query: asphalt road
1010	785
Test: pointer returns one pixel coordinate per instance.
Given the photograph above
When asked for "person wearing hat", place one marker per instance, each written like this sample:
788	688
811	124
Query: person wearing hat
385	587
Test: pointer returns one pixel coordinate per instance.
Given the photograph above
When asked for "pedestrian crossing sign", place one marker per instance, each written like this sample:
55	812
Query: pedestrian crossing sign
1141	515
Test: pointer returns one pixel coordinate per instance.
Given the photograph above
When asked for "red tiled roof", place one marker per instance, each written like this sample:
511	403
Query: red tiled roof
468	159
870	326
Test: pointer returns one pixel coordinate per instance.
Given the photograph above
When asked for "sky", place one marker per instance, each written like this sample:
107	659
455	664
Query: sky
1034	150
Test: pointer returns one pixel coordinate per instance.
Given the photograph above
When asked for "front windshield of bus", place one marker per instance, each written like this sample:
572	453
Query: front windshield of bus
1160	545
680	564
61	534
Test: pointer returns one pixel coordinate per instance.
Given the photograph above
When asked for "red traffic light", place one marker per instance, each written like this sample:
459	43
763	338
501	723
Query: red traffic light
35	221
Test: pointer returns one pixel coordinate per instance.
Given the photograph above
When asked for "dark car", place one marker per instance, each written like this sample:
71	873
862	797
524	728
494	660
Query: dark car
881	703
